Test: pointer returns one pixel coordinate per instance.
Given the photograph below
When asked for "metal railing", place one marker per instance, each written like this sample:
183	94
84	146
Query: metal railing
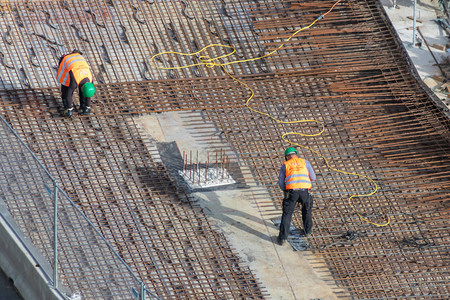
80	257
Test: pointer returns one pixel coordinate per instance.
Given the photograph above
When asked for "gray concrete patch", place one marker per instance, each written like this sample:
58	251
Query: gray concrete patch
20	264
8	291
427	14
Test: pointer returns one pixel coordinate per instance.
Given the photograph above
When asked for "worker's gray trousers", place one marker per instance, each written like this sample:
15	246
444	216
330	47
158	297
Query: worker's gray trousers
290	200
67	93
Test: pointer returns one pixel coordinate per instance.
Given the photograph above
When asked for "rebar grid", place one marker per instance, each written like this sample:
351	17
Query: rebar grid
118	38
347	72
378	123
104	165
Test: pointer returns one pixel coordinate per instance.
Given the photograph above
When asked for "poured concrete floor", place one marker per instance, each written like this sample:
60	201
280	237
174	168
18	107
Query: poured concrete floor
427	11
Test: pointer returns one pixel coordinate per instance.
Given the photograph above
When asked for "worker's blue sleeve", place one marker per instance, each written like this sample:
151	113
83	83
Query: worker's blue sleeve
282	177
312	175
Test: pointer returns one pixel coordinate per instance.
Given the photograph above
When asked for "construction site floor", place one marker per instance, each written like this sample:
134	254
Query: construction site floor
377	136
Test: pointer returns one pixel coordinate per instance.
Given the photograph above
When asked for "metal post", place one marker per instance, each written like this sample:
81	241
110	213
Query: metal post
414	24
55	235
198	168
184	166
190	168
142	291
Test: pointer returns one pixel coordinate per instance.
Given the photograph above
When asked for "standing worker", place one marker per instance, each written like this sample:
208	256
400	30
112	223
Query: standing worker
73	72
295	178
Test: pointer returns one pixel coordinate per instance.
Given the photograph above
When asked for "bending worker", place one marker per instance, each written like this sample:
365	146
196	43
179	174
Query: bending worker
295	178
73	72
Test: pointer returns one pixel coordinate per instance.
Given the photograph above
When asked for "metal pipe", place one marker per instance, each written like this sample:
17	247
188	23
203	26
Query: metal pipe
184	164
142	291
414	23
55	235
190	166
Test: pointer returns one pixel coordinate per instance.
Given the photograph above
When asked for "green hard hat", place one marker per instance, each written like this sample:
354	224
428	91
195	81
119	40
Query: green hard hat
88	90
290	150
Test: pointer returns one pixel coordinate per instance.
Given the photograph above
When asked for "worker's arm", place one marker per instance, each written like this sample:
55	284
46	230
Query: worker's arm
60	60
312	175
282	178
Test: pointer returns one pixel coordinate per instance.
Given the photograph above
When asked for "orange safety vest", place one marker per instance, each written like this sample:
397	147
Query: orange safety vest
297	175
75	63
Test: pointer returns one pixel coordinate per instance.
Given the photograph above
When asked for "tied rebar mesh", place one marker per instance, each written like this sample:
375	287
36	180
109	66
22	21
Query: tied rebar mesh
81	257
349	72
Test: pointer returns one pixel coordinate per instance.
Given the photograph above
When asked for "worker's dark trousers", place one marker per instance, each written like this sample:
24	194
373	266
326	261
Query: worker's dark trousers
67	93
289	203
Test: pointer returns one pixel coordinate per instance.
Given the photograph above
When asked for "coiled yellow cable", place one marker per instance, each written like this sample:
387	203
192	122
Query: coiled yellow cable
214	62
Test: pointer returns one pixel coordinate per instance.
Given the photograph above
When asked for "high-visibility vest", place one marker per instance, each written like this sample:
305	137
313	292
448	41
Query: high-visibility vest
75	63
297	175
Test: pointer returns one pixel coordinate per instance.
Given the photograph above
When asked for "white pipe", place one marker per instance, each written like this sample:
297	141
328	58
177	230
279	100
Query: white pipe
414	24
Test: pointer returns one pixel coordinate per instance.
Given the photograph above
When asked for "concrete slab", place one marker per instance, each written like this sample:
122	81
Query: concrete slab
18	261
427	11
287	274
8	291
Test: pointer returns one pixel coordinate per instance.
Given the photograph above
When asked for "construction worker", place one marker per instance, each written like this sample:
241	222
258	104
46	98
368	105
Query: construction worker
295	178
73	72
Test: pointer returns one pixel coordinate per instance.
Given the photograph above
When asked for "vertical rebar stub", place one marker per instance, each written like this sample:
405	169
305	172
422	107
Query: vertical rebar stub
209	174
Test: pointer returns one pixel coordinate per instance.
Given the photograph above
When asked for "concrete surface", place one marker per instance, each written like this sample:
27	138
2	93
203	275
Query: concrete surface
287	274
20	266
7	289
427	12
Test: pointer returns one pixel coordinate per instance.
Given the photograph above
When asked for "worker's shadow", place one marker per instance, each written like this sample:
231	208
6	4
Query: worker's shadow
211	201
38	103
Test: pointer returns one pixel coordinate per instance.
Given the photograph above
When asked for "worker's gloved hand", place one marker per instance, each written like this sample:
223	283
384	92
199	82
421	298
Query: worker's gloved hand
286	194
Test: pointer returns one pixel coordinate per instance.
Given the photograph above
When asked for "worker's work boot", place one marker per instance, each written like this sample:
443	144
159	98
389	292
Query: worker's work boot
68	112
87	111
280	241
